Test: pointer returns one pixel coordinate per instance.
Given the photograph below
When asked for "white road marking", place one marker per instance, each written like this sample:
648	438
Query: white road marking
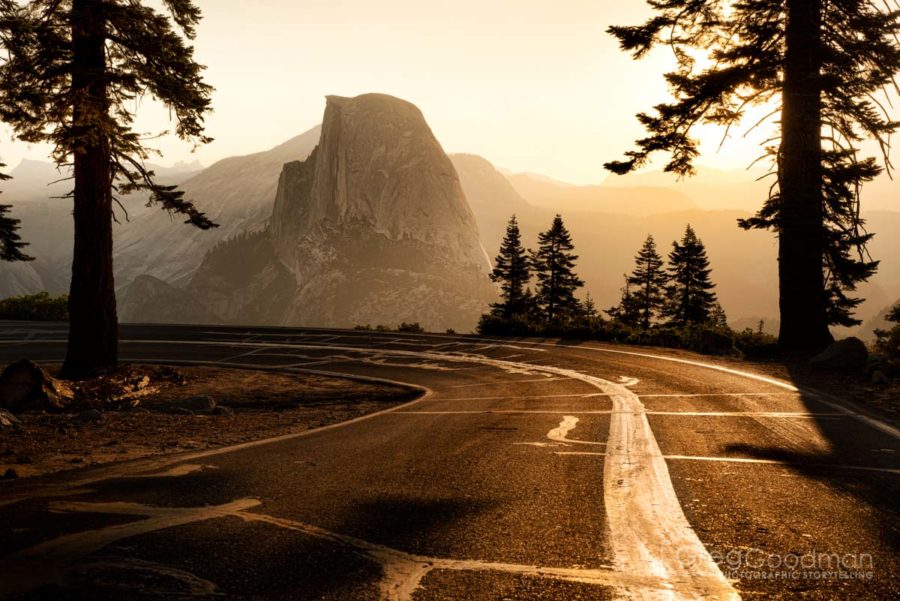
647	525
402	573
717	394
628	382
828	400
524	397
752	414
859	468
51	561
561	432
501	411
184	469
773	414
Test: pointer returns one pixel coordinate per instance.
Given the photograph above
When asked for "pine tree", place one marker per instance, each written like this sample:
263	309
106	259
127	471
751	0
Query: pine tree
11	244
649	280
690	296
554	264
717	318
823	63
888	341
627	311
512	271
74	71
589	307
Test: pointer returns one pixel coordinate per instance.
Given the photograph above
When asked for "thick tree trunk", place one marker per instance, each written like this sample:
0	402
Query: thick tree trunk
804	321
93	325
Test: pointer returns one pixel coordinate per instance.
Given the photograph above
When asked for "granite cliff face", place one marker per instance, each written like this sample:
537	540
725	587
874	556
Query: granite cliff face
150	300
373	228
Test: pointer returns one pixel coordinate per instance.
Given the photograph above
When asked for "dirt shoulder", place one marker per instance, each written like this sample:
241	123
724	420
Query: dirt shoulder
179	409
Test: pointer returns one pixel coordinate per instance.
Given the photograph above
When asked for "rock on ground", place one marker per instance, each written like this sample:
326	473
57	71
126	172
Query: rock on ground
849	354
24	386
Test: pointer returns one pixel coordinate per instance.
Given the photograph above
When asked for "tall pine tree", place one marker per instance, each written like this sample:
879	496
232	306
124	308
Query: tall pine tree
649	280
73	74
554	265
512	271
11	244
821	64
690	296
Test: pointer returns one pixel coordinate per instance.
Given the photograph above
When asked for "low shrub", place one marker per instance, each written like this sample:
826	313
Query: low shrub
708	339
35	307
411	328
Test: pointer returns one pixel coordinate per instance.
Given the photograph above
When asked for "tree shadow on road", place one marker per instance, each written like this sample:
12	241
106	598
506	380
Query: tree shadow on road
849	456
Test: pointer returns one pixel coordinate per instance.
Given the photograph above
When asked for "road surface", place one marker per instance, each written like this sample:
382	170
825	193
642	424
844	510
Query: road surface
525	470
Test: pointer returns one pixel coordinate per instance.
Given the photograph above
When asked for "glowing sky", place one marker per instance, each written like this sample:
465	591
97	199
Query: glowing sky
532	85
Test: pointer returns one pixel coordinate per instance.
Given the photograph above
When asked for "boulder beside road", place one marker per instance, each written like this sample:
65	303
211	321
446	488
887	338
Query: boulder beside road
849	354
25	386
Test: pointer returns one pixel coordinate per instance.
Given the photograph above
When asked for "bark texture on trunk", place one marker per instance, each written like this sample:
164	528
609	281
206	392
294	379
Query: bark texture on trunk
802	298
93	324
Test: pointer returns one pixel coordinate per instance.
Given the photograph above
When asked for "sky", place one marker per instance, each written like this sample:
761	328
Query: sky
531	85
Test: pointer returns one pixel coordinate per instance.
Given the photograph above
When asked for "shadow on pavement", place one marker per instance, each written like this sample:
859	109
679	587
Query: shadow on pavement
848	443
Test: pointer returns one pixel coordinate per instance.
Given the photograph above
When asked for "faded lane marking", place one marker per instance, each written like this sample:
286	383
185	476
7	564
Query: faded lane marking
402	572
717	394
50	561
647	525
774	414
628	382
501	412
521	371
753	414
834	466
526	397
561	432
184	469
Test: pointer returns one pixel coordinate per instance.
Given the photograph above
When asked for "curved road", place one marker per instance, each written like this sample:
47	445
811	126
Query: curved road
526	470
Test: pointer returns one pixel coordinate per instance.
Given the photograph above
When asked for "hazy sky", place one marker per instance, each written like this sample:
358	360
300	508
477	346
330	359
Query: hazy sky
531	85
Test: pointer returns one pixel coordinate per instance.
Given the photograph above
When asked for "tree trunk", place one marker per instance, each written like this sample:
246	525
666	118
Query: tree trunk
93	325
802	298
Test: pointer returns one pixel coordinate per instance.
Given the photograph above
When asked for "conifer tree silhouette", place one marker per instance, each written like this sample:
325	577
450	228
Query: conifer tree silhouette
512	270
73	72
690	296
554	266
821	65
11	244
649	282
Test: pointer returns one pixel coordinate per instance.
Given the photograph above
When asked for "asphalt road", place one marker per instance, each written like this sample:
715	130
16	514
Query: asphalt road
524	471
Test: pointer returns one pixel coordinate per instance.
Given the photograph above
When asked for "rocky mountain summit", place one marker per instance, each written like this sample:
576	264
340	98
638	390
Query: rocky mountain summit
372	228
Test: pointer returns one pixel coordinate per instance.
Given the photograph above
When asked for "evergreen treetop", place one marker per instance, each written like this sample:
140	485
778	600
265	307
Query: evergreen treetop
691	299
554	265
512	270
649	280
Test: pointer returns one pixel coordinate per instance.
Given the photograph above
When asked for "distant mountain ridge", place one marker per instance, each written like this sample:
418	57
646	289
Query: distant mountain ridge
240	193
372	228
640	201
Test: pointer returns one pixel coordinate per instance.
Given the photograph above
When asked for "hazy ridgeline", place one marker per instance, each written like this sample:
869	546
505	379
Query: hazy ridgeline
607	222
